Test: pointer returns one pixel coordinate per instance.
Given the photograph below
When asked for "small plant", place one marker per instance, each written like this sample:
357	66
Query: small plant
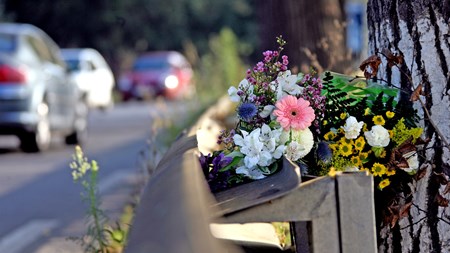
100	237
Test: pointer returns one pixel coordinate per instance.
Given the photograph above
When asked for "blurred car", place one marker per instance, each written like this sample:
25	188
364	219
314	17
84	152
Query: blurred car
160	73
36	98
92	74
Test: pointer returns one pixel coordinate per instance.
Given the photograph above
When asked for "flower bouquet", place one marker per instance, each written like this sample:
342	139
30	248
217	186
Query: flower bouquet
334	123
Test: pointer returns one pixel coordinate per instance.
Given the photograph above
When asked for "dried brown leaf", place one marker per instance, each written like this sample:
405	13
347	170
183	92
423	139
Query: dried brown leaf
416	93
421	173
404	210
370	66
447	189
394	221
392	59
441	178
441	201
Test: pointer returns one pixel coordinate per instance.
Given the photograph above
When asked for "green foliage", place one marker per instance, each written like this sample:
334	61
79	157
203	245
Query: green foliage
220	68
403	133
346	94
338	99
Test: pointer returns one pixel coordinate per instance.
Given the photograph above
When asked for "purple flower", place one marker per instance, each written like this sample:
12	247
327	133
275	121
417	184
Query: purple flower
220	162
285	60
324	153
247	111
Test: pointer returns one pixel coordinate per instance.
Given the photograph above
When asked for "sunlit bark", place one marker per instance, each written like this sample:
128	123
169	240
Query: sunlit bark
420	31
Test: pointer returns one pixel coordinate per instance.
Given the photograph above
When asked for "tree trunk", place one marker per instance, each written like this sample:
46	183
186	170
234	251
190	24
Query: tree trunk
420	31
315	32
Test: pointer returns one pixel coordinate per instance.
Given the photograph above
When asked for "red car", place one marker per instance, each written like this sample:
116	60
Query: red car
160	73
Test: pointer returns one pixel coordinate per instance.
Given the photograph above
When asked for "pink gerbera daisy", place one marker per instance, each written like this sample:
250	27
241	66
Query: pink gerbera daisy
294	113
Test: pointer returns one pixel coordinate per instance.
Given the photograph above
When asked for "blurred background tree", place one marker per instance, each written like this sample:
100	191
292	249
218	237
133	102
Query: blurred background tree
117	26
120	29
315	32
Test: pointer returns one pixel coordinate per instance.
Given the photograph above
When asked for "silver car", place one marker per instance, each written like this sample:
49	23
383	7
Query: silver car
37	99
92	75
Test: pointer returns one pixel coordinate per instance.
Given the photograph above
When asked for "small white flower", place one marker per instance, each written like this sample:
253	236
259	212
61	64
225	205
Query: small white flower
289	84
252	173
244	85
352	128
413	162
378	136
279	151
293	151
268	109
232	92
255	151
301	144
251	147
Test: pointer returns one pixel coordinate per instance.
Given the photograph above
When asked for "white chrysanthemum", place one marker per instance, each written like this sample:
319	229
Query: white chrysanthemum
301	144
378	136
352	128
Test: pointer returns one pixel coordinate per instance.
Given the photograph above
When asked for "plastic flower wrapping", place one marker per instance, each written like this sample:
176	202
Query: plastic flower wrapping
334	123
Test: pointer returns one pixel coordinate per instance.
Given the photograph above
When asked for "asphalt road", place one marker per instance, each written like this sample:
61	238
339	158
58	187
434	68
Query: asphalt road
40	206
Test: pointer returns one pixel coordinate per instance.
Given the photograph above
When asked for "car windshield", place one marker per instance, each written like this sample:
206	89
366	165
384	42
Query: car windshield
73	65
7	43
148	63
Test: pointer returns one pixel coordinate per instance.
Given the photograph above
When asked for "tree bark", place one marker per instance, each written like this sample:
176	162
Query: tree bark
420	31
315	32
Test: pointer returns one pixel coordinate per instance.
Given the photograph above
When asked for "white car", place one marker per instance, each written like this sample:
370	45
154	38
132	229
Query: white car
92	74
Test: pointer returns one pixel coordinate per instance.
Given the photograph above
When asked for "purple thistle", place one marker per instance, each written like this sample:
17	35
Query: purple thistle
247	111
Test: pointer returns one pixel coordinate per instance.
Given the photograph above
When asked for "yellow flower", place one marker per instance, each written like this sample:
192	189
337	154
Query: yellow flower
390	172
333	147
343	115
366	111
383	153
365	128
363	156
360	143
390	114
325	122
378	169
346	141
364	169
329	136
345	149
384	183
378	120
391	134
332	172
355	160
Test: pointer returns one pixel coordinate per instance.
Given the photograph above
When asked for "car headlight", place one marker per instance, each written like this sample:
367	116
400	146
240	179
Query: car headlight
171	82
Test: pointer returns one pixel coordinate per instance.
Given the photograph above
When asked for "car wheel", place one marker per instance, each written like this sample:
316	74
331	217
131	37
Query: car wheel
40	139
79	135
